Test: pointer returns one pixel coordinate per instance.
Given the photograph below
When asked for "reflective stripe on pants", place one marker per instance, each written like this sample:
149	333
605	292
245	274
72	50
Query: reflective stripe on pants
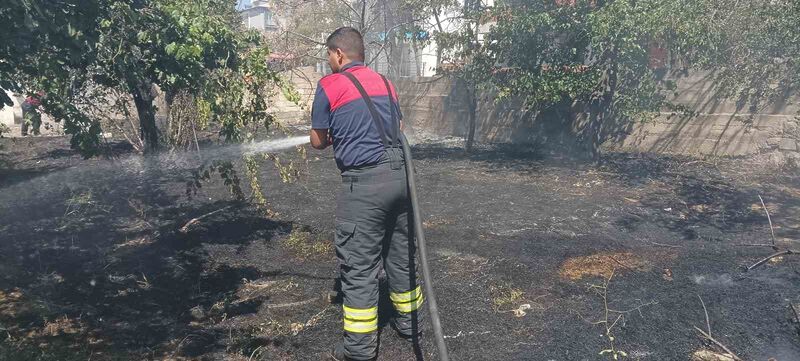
360	320
406	302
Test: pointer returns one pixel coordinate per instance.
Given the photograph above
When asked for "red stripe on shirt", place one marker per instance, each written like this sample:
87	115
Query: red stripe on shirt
341	91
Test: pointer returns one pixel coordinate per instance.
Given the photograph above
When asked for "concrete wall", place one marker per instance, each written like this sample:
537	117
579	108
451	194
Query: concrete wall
720	128
438	107
304	80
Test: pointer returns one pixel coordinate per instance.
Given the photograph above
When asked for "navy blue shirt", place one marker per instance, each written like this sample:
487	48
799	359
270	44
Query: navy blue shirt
339	107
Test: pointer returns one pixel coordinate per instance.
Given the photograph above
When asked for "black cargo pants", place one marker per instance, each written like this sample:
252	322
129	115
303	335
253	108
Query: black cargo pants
372	231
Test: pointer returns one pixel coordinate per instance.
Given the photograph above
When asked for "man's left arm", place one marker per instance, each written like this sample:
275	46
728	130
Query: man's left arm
320	138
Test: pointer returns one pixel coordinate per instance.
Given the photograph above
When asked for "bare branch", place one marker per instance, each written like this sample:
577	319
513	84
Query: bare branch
349	6
719	344
432	80
608	324
305	37
708	323
194	132
778	254
193	221
769	219
386	38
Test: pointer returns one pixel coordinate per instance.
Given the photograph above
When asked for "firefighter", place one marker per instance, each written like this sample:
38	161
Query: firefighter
356	110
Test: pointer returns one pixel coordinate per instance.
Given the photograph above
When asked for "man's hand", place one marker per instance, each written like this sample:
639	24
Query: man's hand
320	138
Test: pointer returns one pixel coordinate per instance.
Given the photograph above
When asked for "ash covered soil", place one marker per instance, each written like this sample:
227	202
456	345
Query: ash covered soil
530	255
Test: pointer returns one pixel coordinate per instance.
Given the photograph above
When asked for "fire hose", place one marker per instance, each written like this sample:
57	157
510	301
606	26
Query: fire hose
423	253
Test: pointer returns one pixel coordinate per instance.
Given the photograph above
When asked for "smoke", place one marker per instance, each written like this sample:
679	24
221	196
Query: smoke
723	280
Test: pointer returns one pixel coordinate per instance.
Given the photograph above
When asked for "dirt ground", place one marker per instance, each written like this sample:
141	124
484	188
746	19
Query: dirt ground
534	257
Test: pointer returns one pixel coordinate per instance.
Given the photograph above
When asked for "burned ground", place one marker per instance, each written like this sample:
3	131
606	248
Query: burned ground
93	263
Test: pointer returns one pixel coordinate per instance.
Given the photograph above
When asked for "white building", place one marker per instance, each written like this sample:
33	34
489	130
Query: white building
422	61
11	115
259	16
416	55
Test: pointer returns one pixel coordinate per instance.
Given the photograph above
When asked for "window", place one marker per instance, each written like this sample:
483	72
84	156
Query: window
268	21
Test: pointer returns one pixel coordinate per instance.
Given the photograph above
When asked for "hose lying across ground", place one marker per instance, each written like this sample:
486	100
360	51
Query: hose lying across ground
423	253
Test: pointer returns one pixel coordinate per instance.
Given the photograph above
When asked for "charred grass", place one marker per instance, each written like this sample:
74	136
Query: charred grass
97	267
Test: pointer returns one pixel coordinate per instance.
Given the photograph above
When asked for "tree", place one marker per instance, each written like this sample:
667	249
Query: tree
466	48
51	41
591	57
129	47
39	38
387	26
751	46
554	57
427	22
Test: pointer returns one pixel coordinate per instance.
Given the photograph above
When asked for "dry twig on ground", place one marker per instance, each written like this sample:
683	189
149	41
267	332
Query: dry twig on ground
774	245
765	260
719	344
707	334
608	314
664	245
195	220
755	245
294	304
705	310
769	219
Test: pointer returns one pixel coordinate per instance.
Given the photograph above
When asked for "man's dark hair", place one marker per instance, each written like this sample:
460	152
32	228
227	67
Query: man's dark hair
349	40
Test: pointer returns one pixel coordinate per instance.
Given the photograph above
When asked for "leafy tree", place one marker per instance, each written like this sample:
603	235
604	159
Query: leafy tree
591	57
751	47
49	40
173	44
466	55
39	37
556	57
104	48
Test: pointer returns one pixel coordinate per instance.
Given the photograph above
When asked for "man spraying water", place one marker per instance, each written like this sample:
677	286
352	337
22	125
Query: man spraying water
356	110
